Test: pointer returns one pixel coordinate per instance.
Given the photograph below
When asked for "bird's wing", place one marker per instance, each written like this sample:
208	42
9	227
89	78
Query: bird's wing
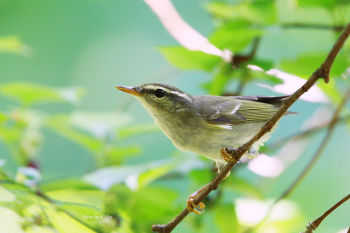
274	100
244	110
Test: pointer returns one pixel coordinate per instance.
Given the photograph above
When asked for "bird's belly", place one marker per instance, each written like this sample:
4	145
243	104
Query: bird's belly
209	142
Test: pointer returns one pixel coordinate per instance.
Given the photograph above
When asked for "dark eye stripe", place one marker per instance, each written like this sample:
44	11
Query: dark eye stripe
167	92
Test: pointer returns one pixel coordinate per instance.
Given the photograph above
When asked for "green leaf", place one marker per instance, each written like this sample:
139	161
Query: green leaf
3	118
61	124
157	198
261	75
241	186
40	229
225	218
93	131
305	64
201	176
92	197
99	124
331	90
115	155
143	206
72	183
264	64
29	93
234	36
148	176
327	4
304	15
217	85
87	214
6	195
256	12
10	134
11	220
20	198
183	58
66	224
108	176
12	44
20	135
134	130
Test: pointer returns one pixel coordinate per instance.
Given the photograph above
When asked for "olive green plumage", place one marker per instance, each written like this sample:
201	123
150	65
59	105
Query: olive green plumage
205	124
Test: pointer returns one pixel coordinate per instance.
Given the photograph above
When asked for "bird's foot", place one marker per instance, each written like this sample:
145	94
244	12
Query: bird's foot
228	154
191	206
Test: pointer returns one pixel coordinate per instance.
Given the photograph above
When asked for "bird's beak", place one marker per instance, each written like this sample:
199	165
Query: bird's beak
130	90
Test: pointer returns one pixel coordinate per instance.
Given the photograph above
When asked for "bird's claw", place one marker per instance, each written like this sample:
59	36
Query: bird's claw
192	207
227	154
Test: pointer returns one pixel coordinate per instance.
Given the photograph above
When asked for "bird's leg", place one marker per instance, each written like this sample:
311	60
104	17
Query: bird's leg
220	166
196	208
227	154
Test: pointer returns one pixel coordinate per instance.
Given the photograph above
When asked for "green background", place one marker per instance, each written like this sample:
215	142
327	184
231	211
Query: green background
97	45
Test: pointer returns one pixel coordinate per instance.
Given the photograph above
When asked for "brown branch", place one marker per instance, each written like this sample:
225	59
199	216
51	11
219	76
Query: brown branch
277	144
243	80
37	192
337	28
330	129
320	149
321	72
238	59
313	225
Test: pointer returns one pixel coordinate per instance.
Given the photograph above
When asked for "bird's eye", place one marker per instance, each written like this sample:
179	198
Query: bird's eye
159	93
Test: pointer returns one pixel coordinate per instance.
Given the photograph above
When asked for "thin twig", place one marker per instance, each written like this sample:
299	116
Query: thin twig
57	204
313	26
239	59
314	224
320	149
321	72
330	129
306	133
243	79
37	192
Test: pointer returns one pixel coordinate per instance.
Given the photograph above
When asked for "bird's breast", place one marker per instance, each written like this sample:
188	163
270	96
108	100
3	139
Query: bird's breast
178	129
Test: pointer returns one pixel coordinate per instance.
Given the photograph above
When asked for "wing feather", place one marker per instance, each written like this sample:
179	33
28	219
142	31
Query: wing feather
241	110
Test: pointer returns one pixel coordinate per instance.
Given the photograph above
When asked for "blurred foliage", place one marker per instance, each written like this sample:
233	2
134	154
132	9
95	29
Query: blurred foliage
116	196
13	45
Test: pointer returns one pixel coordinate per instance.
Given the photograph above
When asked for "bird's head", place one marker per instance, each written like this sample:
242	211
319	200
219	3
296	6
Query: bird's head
160	98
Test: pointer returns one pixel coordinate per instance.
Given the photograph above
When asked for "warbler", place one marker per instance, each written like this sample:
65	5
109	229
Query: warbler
205	124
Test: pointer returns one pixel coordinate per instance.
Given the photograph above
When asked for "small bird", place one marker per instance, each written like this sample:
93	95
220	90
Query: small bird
206	124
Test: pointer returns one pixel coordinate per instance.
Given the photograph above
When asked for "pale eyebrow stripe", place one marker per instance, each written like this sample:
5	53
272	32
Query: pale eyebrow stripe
181	94
150	89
